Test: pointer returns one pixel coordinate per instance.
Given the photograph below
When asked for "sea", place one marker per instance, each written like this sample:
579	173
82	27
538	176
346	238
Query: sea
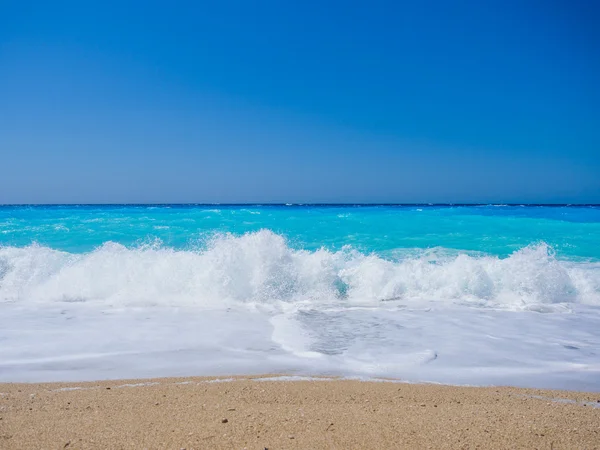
458	294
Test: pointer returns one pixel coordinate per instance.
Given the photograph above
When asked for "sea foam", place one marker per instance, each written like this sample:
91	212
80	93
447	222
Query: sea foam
262	268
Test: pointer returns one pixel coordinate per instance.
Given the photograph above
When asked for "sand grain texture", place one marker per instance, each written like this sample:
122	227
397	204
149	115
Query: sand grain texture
195	414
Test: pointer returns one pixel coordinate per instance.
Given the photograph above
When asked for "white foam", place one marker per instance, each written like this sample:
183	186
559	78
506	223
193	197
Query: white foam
456	344
261	268
293	378
220	380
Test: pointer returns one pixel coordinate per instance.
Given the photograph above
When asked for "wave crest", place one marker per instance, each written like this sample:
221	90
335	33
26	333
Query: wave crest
262	268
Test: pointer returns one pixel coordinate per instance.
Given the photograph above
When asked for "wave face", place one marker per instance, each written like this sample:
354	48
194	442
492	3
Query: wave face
261	268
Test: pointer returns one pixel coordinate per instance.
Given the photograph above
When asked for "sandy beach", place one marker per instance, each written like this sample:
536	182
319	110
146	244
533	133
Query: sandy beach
199	413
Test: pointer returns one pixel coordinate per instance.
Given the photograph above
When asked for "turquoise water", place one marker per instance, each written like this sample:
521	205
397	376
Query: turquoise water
572	232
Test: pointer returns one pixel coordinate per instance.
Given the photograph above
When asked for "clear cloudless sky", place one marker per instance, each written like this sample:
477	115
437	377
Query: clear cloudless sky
300	101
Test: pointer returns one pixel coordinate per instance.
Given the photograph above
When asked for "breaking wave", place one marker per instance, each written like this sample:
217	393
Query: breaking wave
262	268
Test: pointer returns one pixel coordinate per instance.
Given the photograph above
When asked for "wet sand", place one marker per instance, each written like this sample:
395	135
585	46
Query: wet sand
199	413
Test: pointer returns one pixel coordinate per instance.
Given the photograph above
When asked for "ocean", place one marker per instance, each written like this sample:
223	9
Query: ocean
459	294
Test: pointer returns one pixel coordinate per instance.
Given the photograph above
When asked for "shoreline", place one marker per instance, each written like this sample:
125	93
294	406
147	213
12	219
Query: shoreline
275	411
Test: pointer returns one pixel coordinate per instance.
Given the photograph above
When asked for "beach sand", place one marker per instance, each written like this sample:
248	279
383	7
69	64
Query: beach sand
199	413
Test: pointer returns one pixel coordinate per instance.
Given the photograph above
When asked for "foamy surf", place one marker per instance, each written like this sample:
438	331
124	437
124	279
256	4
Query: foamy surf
261	268
395	293
447	344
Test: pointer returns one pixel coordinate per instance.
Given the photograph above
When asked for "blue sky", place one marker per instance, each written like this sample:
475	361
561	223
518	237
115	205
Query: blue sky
313	101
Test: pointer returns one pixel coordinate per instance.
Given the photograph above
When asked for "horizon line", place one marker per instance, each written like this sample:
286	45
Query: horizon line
299	204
